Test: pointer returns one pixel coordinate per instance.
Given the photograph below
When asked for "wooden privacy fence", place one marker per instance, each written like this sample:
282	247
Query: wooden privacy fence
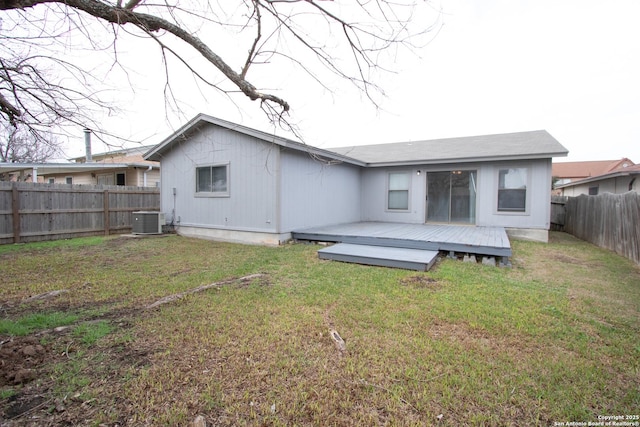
558	212
607	220
34	212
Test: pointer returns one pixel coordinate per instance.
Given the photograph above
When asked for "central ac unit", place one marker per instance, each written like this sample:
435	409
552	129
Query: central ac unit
147	222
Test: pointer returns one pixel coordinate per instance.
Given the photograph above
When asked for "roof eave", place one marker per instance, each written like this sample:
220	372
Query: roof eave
58	168
155	154
453	160
329	156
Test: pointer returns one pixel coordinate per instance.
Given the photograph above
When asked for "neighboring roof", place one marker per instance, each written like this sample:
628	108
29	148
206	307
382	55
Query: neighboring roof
157	152
509	146
578	170
119	159
628	171
112	156
67	168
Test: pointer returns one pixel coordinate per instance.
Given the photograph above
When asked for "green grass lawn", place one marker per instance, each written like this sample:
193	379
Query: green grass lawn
556	338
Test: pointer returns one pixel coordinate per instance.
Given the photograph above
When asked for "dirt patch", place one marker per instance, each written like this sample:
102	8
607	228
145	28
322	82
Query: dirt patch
32	367
480	340
570	260
464	335
24	361
421	282
20	404
20	358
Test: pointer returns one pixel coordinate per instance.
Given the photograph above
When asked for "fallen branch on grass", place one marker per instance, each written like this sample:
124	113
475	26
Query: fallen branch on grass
47	295
181	295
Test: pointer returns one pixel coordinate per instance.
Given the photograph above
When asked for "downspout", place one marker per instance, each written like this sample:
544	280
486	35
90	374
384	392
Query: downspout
144	176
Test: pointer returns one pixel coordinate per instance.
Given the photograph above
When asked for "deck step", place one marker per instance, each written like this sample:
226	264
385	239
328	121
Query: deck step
409	259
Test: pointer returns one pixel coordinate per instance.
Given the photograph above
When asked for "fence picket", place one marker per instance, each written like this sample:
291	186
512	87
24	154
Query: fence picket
611	221
34	212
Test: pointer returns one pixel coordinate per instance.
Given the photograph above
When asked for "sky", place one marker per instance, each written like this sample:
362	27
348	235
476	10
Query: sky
493	66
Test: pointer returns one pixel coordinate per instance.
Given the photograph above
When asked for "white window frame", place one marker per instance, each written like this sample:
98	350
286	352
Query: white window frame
109	177
389	190
527	190
225	193
68	179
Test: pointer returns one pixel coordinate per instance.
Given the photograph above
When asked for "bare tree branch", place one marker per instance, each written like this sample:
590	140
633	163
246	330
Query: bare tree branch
348	38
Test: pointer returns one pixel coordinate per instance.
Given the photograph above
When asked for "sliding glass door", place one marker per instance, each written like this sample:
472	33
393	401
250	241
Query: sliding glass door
451	197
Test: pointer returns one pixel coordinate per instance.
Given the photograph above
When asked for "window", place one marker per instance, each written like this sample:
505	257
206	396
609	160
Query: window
105	179
52	180
512	190
68	180
212	180
451	196
120	179
593	191
398	195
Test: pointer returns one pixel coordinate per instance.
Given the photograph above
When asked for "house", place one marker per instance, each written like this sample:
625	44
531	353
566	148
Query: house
620	180
136	171
566	172
121	167
221	180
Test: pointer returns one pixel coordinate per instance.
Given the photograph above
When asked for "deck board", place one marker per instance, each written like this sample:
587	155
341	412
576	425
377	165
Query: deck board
410	259
491	241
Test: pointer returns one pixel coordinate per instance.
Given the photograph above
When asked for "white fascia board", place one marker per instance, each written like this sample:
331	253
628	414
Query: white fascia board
463	160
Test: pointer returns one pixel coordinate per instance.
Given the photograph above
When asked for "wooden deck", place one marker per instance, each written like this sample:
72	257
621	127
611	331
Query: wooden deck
409	259
490	241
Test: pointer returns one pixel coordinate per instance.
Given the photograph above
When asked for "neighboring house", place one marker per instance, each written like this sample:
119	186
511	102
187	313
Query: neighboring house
225	181
566	172
619	181
121	167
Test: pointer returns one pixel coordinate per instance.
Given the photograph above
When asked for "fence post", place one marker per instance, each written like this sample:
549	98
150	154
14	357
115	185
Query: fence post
107	221
15	207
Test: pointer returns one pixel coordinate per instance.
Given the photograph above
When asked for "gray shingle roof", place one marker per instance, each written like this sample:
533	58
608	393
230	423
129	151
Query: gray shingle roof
509	146
157	151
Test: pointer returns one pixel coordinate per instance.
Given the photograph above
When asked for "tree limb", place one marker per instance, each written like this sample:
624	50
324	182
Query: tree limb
314	36
151	23
9	110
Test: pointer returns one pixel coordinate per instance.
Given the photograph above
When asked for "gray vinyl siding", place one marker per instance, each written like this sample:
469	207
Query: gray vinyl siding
251	204
536	215
538	202
313	193
275	190
374	196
